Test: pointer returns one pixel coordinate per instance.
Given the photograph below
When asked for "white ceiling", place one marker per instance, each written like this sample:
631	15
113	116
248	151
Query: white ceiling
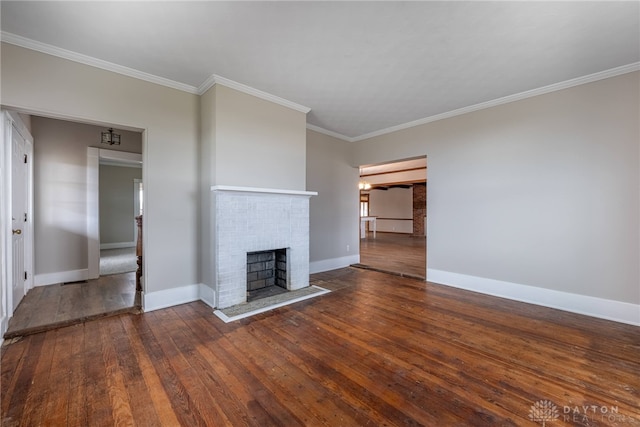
403	165
362	67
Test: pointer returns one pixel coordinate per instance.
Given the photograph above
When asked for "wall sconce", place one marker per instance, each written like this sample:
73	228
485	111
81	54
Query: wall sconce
364	185
110	138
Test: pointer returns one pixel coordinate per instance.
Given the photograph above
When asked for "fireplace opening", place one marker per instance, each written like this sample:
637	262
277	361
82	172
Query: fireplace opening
266	273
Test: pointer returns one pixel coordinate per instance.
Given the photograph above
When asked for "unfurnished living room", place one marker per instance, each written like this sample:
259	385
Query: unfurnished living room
333	213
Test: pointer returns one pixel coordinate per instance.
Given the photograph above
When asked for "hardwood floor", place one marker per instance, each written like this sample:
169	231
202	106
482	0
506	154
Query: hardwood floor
50	307
393	252
378	350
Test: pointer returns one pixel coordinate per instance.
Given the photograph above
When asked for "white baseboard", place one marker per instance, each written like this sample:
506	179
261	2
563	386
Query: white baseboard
207	295
617	311
175	296
60	277
333	263
119	245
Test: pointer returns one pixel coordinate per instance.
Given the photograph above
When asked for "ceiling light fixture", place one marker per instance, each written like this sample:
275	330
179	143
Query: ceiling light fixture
364	185
110	138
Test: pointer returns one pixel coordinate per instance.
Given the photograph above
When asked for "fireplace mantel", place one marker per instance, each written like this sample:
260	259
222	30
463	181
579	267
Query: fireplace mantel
263	190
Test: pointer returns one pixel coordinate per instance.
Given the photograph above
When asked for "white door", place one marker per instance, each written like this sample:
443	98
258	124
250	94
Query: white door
137	205
19	191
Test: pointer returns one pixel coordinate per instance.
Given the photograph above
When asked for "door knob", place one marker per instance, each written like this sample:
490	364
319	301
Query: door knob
17	231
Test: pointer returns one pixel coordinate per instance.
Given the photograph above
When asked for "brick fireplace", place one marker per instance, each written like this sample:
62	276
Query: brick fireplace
257	220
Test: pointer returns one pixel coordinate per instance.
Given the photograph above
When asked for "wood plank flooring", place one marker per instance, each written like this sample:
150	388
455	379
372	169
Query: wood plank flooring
50	307
393	252
379	350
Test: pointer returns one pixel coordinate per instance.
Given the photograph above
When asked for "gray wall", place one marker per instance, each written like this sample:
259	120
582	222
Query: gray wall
117	217
541	192
36	82
60	190
258	143
334	212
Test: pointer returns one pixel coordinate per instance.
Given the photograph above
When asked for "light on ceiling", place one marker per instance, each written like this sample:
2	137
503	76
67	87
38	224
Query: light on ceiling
110	138
364	185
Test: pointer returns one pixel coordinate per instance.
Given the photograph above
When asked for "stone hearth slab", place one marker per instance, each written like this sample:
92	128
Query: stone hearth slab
244	310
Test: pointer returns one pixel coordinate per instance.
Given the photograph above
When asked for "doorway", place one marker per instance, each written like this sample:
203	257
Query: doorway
120	191
393	206
66	215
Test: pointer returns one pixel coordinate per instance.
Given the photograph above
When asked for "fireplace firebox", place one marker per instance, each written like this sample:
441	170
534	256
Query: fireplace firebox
266	268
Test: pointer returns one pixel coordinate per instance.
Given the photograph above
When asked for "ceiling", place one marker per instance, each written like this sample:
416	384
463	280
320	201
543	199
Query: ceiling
400	174
364	68
404	165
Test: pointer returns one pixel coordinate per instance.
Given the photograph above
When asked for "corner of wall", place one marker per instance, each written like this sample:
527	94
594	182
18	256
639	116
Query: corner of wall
175	296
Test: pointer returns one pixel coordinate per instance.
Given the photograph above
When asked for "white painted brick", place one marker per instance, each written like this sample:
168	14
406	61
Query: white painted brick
250	222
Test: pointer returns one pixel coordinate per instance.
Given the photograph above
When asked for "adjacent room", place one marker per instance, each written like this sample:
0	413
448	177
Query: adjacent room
330	213
393	207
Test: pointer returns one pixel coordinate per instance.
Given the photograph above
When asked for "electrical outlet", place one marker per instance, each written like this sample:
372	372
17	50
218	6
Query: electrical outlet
347	248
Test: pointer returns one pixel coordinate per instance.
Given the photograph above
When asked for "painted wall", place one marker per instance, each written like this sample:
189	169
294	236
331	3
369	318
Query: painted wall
246	141
334	212
392	203
258	143
541	192
39	83
117	215
60	190
207	179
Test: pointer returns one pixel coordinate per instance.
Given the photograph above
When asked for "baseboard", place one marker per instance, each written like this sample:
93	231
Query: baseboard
616	311
120	245
333	263
170	297
207	295
60	277
176	296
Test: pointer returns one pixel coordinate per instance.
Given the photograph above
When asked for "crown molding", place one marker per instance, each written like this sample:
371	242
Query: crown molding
330	133
215	79
207	84
130	72
93	62
507	99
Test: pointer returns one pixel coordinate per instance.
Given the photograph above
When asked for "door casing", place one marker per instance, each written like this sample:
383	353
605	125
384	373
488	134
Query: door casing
13	125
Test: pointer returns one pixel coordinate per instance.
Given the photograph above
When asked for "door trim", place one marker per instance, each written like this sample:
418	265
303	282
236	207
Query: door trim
93	200
11	122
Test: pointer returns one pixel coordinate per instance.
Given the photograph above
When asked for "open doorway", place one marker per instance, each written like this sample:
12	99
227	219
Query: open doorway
120	191
393	207
67	284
